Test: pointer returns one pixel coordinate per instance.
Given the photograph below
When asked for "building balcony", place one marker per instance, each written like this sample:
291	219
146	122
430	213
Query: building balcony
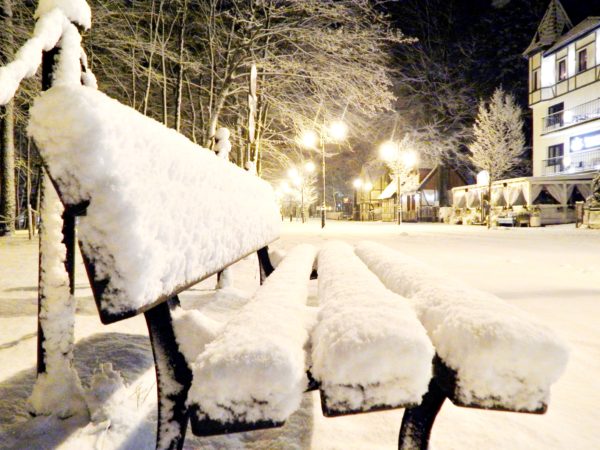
569	117
582	161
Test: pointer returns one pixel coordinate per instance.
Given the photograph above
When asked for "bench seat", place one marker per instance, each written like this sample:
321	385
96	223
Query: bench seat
369	351
253	374
160	213
492	355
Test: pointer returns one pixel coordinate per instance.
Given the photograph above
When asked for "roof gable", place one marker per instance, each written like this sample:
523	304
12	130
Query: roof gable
555	23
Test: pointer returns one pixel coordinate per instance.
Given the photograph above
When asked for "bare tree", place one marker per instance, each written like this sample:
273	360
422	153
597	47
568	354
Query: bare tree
7	138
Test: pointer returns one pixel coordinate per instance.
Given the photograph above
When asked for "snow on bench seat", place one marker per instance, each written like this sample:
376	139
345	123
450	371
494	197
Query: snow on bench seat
163	212
369	350
503	358
254	372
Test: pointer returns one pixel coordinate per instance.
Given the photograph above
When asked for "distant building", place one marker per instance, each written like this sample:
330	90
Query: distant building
564	94
377	199
422	202
374	178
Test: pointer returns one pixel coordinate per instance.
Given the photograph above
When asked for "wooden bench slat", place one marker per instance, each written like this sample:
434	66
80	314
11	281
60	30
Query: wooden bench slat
494	355
369	351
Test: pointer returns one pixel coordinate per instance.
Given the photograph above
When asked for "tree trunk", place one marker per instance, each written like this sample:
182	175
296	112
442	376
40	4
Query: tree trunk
7	139
180	68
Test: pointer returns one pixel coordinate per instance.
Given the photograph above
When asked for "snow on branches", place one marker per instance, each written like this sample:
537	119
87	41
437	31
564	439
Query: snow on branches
499	138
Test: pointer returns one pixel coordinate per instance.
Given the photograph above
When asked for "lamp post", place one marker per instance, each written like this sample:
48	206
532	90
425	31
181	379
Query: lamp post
484	179
368	187
399	159
357	185
335	132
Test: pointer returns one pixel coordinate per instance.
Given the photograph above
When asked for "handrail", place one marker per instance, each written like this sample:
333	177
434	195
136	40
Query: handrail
581	113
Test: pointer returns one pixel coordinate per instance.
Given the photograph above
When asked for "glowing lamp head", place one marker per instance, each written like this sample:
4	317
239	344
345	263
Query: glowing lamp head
389	151
309	167
338	130
357	183
293	173
309	139
483	177
409	159
368	186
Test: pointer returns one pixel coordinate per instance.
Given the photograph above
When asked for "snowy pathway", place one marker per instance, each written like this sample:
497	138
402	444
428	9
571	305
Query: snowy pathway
551	273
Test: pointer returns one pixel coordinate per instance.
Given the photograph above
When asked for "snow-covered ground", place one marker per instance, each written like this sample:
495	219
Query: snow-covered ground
551	273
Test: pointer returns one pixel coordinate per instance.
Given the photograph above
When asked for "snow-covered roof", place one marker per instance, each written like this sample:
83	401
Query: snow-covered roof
389	191
581	29
554	23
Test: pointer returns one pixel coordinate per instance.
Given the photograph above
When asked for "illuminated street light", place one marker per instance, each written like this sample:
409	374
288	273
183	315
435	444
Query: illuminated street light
337	131
357	183
309	139
309	167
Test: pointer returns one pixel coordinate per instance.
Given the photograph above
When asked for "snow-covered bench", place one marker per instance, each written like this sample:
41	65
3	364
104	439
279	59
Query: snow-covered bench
489	354
157	214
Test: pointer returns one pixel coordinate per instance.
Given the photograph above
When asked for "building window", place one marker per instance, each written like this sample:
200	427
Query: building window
555	155
582	60
535	81
562	70
555	115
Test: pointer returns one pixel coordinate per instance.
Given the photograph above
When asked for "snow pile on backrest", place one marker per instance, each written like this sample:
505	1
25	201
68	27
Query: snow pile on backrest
163	211
368	347
255	369
502	356
77	11
46	35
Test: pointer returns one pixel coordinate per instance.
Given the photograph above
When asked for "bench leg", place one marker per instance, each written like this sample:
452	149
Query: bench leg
266	267
173	377
417	422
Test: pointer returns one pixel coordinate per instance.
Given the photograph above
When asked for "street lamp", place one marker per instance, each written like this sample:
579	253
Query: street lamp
398	158
484	179
368	187
334	133
357	185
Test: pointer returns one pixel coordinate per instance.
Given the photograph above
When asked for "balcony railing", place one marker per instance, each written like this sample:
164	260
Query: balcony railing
561	119
573	162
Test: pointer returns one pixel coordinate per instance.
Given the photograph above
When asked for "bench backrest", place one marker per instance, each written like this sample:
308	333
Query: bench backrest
161	212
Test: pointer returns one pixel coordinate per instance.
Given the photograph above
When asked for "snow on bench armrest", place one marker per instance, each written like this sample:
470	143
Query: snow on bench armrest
255	370
163	211
502	357
369	350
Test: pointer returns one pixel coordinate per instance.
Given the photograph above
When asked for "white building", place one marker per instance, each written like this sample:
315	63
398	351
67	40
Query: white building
564	94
